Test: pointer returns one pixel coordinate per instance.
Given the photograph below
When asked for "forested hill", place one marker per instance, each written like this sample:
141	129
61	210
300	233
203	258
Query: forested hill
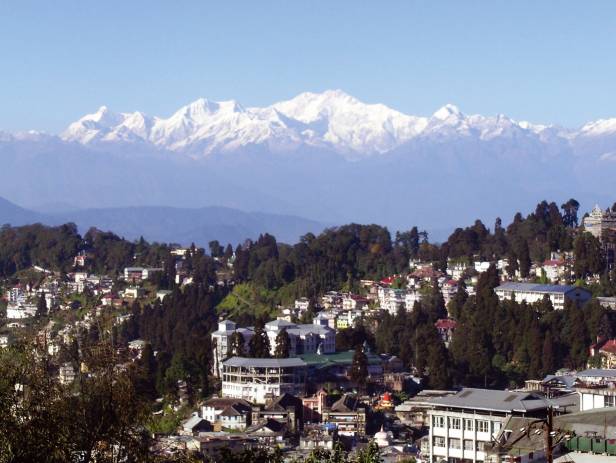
498	341
339	255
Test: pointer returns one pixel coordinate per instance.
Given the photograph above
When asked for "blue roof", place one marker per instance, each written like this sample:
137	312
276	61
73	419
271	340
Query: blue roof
538	288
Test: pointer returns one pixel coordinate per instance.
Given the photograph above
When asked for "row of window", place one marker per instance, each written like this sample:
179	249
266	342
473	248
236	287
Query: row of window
456	444
468	423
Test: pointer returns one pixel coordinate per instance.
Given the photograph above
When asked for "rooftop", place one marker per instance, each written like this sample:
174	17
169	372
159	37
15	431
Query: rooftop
337	358
537	288
491	400
598	373
264	363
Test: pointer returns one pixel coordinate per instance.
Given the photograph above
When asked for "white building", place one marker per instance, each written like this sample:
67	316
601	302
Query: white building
305	339
257	380
457	269
532	292
410	298
229	413
354	302
66	374
461	425
391	299
554	270
20	310
596	388
302	304
221	340
599	222
326	318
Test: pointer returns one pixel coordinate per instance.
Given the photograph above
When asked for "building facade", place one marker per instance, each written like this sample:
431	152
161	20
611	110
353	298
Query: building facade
532	292
257	380
462	425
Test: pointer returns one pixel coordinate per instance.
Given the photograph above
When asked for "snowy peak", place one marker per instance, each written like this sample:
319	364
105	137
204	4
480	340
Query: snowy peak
448	112
598	128
331	120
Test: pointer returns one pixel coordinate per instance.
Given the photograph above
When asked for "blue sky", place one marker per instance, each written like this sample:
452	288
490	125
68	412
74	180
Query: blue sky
543	61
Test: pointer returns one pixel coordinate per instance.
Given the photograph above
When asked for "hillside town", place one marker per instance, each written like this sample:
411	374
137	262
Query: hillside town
329	368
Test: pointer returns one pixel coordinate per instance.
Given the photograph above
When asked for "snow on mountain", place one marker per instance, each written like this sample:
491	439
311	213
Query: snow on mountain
342	121
332	120
598	128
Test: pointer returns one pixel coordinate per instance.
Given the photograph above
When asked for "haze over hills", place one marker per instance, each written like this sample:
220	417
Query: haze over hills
171	225
327	156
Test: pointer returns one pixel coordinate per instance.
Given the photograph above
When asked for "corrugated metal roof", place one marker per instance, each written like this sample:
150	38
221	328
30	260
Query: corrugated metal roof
490	399
263	363
537	288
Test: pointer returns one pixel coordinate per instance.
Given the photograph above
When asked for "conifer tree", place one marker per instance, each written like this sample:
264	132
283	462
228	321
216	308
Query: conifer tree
359	367
236	345
283	344
259	346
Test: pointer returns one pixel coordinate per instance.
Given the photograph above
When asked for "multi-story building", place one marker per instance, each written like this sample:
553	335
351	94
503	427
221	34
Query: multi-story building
257	380
532	292
227	413
600	222
391	299
305	339
461	425
354	302
221	341
596	388
605	350
347	415
410	298
302	304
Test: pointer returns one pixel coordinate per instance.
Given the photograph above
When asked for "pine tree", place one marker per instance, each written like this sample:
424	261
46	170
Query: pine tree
146	380
525	261
283	345
359	367
41	307
259	346
547	354
237	344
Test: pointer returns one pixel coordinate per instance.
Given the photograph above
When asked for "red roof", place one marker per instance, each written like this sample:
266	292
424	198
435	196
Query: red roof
389	280
426	272
609	346
446	324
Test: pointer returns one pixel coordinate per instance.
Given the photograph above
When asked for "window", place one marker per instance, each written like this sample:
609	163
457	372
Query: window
480	446
468	424
610	401
496	426
439	441
468	444
483	426
454	423
454	443
438	421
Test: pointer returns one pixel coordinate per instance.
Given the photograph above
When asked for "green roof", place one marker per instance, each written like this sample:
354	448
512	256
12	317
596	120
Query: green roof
338	358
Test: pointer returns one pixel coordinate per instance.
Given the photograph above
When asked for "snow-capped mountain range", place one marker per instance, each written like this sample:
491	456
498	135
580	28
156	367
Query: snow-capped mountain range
325	156
330	120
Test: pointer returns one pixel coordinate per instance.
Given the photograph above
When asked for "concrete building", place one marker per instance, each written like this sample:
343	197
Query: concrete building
227	413
221	340
463	424
596	388
305	339
599	223
532	292
257	380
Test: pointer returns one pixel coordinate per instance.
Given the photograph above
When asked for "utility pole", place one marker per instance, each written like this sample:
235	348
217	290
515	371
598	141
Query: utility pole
549	446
